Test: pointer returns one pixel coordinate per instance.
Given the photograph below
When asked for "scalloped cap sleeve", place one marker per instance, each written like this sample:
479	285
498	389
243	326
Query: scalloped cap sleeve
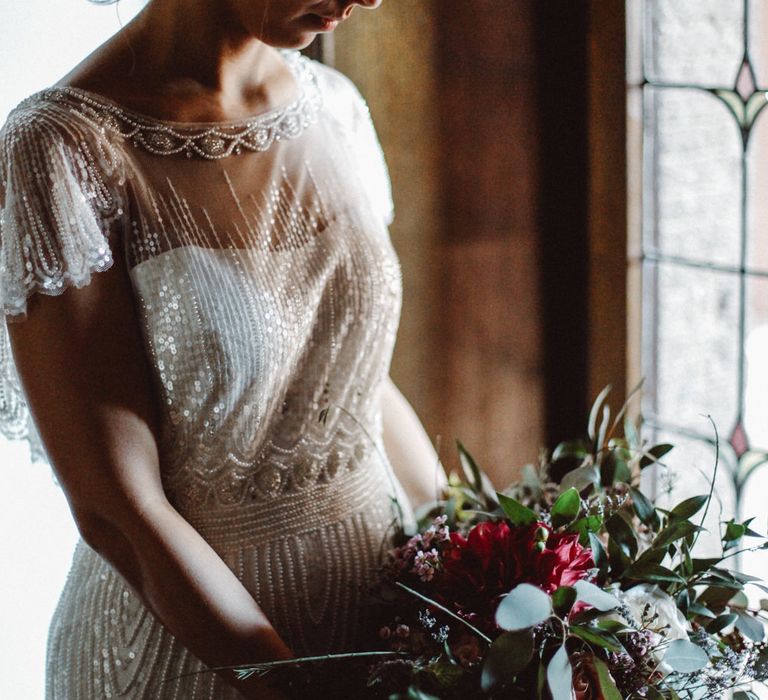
55	206
349	108
56	209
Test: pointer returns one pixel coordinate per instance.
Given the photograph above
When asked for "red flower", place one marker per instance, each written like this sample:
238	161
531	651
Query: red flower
480	569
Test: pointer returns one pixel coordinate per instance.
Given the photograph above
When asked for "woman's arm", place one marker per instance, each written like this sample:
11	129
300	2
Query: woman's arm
85	372
408	447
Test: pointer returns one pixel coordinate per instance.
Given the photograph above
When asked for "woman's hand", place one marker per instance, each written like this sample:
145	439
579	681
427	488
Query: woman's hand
84	368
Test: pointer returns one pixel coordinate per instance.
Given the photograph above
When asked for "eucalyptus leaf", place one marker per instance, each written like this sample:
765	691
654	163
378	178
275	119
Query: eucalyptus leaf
560	675
523	607
685	657
592	595
721	622
509	654
745	695
750	627
701	611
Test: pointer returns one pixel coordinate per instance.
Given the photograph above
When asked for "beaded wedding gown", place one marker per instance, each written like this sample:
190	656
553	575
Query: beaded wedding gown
269	297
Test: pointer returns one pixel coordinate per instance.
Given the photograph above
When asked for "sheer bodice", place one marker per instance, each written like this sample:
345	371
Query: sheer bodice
268	294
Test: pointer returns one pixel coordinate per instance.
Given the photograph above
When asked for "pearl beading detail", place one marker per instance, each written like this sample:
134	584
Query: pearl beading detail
214	142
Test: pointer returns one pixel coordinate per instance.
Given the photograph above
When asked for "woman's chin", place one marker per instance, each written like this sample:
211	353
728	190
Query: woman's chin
299	39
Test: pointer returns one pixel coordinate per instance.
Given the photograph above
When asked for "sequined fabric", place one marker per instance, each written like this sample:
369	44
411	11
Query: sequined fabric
269	297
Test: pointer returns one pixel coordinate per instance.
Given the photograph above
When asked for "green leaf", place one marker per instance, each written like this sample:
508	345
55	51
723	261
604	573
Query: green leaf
590	594
507	656
644	509
739	601
560	675
517	513
523	607
734	532
701	565
566	508
608	688
652	573
415	693
622	534
541	680
597	637
613	626
469	467
721	622
715	597
653	694
685	657
598	552
745	695
581	478
594	412
675	531
445	673
750	627
583	526
701	611
689	507
652	555
563	599
475	476
619	559
570	448
614	469
654	454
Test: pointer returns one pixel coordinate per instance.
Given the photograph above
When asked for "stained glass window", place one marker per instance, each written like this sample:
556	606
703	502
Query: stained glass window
705	246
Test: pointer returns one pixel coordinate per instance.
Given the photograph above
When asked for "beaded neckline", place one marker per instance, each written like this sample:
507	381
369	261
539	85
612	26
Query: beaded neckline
207	140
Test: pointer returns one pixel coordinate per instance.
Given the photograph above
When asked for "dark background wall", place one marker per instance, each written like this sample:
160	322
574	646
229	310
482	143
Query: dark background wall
489	114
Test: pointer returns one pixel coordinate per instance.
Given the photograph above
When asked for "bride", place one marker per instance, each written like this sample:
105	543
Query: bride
202	301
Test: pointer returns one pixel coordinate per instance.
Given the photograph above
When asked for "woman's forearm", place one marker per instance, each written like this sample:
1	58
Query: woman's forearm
190	589
409	449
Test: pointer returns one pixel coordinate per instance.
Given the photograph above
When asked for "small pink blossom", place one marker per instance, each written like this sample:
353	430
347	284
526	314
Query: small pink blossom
425	564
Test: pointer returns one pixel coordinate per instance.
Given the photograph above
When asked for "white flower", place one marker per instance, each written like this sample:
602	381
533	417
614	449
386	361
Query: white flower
656	611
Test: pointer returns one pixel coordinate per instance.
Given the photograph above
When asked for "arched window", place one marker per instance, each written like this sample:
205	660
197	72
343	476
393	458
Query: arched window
699	86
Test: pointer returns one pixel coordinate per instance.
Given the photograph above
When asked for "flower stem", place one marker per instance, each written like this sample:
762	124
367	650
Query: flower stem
484	637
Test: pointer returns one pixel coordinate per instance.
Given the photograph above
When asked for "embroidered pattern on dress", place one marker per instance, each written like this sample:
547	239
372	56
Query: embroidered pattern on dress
213	142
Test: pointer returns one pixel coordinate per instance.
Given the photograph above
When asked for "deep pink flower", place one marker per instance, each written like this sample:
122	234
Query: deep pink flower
494	558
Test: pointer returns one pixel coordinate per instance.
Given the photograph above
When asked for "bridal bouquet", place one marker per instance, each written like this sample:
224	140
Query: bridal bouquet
572	583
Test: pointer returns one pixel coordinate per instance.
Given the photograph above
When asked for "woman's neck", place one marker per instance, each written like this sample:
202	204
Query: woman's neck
187	60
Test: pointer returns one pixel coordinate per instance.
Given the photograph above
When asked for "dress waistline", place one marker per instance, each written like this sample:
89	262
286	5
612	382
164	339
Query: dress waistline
317	506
